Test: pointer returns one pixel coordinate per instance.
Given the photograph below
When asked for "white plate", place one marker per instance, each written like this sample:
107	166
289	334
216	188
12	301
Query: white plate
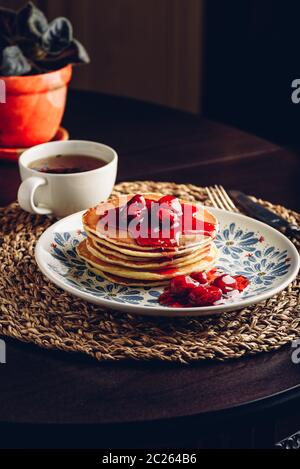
247	247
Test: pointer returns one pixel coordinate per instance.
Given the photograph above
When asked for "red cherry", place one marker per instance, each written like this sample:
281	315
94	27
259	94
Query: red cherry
196	296
205	296
201	277
136	206
161	243
168	299
167	215
165	297
226	283
214	294
202	226
150	203
137	200
171	202
241	282
176	304
182	285
212	275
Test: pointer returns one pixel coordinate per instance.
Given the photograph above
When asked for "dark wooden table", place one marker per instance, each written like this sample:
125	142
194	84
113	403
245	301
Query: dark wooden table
55	399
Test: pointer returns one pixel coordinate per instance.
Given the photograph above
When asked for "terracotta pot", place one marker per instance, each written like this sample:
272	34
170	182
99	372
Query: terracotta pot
34	108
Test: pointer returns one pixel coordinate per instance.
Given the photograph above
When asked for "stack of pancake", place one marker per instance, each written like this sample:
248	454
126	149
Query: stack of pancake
118	257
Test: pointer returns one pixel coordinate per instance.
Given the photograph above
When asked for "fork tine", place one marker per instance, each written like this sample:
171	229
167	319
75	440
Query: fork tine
214	198
220	194
228	199
210	196
220	199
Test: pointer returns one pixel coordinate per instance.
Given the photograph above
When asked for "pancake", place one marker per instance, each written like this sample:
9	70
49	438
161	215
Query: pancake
133	282
132	252
138	263
116	256
121	238
202	263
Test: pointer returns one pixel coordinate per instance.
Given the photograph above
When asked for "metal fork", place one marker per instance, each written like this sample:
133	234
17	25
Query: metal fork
220	199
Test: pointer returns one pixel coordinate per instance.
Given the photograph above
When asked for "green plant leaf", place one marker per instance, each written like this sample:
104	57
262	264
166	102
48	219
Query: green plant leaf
74	54
13	62
29	44
31	21
58	35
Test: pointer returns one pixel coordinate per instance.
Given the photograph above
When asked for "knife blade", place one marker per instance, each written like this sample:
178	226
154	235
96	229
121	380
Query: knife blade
265	215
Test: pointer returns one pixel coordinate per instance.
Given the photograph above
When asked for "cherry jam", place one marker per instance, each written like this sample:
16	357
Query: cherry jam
160	223
202	289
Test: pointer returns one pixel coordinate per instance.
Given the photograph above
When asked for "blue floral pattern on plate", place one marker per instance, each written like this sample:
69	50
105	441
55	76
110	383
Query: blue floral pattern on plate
242	252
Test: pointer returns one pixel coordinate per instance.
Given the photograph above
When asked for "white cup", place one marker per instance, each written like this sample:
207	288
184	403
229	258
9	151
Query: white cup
63	194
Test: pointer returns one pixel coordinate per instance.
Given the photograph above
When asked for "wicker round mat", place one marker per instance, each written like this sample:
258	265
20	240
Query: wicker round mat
34	310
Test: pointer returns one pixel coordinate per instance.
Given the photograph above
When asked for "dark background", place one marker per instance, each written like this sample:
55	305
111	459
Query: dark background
252	57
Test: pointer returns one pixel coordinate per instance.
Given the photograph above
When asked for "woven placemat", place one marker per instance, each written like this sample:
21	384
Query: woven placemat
34	310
